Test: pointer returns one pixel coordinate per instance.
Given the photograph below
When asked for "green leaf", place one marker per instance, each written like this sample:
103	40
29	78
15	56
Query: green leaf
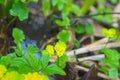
20	65
86	6
114	1
77	43
112	57
19	50
33	61
23	1
54	2
63	36
111	54
53	69
61	61
44	60
32	50
33	0
111	63
18	35
60	5
89	29
19	10
79	29
2	1
46	7
18	62
113	72
5	60
76	9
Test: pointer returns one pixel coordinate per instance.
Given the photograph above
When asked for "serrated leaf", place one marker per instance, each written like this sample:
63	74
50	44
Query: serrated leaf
113	72
54	2
17	62
18	35
32	50
19	10
33	61
63	36
44	60
53	69
89	29
79	29
61	61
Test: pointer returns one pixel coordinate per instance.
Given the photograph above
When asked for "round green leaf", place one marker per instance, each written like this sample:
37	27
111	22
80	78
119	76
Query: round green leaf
63	36
19	10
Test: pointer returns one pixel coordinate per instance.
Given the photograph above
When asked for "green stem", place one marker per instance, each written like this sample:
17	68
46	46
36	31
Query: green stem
10	23
58	61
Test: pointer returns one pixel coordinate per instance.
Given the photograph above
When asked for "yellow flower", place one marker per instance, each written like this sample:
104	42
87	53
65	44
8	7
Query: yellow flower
111	33
34	76
60	48
50	49
2	70
13	75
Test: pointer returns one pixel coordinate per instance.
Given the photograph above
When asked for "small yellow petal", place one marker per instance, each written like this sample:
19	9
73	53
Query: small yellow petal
34	76
60	48
50	49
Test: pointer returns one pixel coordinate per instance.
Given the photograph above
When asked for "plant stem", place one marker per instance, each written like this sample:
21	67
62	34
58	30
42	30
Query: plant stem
58	61
10	23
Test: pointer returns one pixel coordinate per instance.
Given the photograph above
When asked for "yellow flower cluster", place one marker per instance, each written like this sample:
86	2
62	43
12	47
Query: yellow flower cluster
111	33
59	48
35	76
50	49
13	75
2	70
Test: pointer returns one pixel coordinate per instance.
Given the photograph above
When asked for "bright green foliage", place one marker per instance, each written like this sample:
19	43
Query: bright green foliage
43	62
86	6
114	1
18	9
80	29
63	36
61	61
30	62
110	33
18	35
113	72
53	69
32	50
111	60
104	18
2	1
65	6
77	43
46	7
89	29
